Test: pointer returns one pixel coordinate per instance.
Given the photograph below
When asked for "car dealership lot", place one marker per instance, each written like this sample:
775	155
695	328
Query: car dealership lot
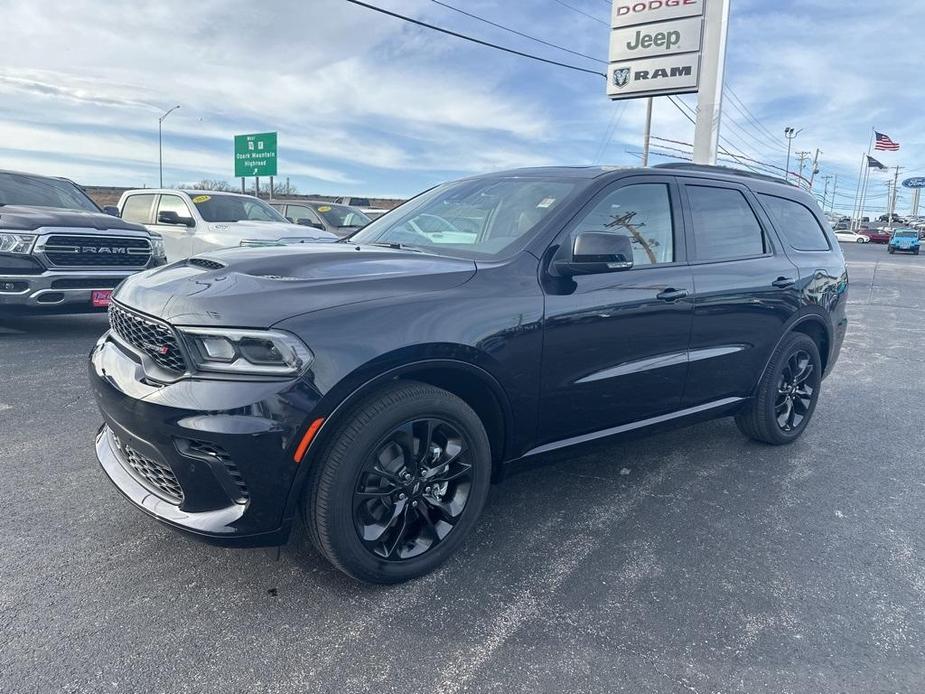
695	561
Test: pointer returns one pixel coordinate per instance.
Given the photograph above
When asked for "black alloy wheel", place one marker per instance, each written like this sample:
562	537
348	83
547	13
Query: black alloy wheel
786	396
794	391
398	484
412	490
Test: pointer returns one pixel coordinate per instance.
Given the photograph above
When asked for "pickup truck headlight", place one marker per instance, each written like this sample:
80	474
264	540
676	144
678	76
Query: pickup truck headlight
20	244
157	247
250	352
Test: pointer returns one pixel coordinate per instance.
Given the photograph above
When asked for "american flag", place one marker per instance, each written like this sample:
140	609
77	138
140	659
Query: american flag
884	143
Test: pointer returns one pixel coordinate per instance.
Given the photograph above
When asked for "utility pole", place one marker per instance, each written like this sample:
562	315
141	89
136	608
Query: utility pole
803	157
825	191
812	176
893	197
790	134
834	191
647	135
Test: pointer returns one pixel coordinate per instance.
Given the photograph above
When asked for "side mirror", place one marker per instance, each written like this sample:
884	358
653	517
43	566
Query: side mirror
112	210
171	217
595	253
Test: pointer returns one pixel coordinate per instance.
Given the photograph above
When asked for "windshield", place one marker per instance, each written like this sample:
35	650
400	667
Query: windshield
478	218
234	208
907	233
341	216
36	191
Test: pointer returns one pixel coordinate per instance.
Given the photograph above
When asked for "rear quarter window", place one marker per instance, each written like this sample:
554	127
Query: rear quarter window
796	223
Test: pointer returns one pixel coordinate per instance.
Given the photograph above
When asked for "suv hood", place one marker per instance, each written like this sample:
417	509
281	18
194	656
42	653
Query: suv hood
257	287
268	231
25	218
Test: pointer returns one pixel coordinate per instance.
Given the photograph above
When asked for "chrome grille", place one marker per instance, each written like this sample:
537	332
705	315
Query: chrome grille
97	251
153	474
150	337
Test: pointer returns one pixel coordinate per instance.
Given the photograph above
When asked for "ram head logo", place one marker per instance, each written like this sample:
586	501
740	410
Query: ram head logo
621	77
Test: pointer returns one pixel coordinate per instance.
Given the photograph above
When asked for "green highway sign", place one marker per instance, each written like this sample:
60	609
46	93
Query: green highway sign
255	155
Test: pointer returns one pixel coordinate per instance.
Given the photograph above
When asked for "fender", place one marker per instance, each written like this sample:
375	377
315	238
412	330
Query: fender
358	392
808	314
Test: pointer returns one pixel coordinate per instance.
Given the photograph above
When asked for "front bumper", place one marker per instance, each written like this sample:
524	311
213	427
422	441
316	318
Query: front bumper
228	444
68	290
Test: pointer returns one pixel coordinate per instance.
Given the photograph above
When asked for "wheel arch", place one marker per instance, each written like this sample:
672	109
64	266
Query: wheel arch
816	327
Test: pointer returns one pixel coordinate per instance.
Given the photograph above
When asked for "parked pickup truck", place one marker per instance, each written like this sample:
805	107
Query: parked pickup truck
61	253
196	221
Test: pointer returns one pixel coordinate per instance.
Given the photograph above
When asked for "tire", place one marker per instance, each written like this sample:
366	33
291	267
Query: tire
860	241
891	250
358	484
761	418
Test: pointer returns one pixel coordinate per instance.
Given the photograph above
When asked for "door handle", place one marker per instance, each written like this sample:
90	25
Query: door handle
671	294
783	282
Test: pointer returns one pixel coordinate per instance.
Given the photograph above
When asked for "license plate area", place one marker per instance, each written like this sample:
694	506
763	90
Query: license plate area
100	298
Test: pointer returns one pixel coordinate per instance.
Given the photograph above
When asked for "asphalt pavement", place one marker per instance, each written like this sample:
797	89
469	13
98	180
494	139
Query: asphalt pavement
693	561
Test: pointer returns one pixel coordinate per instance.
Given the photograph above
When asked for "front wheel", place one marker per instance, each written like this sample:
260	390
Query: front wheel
401	484
786	397
860	241
891	250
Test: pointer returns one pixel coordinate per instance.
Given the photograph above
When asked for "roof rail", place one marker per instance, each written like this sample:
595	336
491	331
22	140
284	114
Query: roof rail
728	170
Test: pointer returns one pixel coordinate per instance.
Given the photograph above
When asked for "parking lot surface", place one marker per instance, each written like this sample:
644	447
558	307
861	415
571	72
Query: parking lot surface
694	561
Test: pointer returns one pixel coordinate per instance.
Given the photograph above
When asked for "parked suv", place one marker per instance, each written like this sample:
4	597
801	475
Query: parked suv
905	240
378	386
61	253
338	219
193	221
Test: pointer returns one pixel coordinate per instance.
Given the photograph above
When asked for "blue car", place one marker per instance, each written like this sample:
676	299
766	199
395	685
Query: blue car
906	240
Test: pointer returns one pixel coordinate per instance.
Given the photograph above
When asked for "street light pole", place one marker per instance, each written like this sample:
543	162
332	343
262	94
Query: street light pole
160	148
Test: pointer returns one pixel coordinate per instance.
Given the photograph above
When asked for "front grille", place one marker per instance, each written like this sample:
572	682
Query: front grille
206	263
101	283
153	474
203	450
97	251
153	338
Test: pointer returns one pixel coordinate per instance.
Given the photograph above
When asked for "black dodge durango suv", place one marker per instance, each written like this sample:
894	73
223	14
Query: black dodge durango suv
378	385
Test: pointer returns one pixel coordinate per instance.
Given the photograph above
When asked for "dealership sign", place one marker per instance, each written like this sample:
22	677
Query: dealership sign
655	48
914	183
255	155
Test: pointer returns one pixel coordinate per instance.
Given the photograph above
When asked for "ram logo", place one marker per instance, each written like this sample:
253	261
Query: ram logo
104	250
621	77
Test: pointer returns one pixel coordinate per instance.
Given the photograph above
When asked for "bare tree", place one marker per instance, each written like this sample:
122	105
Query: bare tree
212	184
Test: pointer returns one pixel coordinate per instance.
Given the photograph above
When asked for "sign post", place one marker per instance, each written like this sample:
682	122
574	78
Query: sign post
255	155
916	184
662	47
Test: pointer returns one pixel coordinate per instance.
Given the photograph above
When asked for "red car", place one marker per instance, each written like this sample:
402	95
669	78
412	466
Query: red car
876	235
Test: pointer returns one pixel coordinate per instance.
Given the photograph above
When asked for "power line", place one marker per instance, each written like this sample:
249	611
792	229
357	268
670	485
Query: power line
474	40
589	16
758	135
517	33
754	119
614	124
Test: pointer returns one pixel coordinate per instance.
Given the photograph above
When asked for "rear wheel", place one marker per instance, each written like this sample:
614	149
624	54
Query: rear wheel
787	394
401	484
891	250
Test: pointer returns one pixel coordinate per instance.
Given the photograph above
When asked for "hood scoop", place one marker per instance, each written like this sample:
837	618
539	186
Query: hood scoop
206	264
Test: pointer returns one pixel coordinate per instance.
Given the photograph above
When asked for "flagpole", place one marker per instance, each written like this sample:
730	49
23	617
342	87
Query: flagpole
866	179
855	218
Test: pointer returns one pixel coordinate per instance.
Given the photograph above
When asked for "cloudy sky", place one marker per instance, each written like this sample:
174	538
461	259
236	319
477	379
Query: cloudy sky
368	105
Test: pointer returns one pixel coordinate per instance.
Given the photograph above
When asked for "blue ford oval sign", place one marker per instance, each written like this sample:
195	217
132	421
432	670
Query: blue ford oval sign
914	183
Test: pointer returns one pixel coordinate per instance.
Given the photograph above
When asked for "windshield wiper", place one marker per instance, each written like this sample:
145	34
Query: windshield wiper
397	246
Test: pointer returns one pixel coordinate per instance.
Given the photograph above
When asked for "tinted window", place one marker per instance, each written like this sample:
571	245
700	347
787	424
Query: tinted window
641	212
359	202
796	223
137	208
297	212
21	189
173	203
724	224
342	216
235	208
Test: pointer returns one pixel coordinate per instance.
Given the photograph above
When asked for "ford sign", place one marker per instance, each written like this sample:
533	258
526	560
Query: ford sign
917	182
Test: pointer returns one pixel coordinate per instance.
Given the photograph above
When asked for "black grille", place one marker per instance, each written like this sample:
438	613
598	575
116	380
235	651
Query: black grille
101	283
153	474
97	251
206	263
153	338
204	450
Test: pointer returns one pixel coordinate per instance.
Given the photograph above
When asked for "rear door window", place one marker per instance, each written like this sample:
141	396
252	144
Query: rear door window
796	223
137	209
725	226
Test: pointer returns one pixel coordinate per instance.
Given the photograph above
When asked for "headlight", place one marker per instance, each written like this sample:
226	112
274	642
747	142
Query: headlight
157	247
16	243
256	352
257	243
